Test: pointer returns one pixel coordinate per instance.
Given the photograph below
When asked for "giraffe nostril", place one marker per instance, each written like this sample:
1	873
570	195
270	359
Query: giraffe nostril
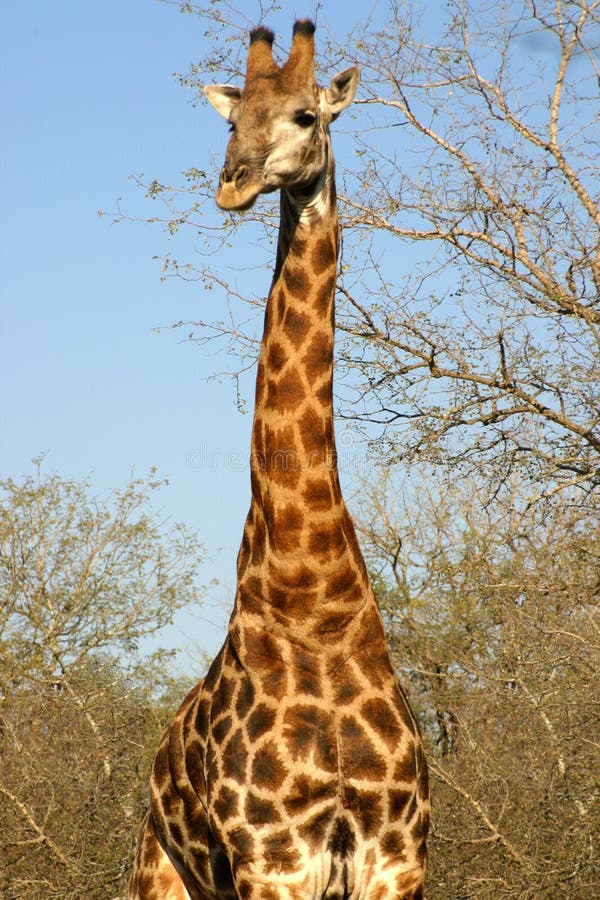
237	176
241	175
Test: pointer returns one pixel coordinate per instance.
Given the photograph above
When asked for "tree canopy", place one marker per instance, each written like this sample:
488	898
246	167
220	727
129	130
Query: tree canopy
492	620
468	318
82	581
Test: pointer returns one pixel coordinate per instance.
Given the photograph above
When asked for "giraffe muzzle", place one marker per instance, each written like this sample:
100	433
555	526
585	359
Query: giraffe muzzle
237	190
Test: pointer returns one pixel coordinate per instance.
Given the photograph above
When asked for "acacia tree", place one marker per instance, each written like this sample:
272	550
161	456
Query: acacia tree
82	581
500	176
468	308
492	617
79	575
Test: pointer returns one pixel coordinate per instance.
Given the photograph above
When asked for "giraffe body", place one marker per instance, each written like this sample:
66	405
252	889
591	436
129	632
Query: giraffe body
295	769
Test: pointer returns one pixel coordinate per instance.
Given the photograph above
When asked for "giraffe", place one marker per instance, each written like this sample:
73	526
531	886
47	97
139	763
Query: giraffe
295	769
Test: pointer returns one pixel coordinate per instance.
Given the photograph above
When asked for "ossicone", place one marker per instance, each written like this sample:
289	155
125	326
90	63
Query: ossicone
260	54
300	64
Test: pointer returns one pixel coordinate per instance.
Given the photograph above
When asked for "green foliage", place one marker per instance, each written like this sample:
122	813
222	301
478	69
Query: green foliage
82	581
79	575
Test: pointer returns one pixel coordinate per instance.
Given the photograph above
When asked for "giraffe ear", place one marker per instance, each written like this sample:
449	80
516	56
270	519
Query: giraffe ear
224	98
341	91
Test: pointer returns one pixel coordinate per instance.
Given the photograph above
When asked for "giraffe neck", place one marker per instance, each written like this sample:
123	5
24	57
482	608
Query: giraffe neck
299	564
293	430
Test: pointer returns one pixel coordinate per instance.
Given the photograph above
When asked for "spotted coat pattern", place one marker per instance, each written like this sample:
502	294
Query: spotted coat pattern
295	769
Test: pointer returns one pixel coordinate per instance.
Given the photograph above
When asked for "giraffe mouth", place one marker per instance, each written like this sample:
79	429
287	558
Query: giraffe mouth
231	198
240	192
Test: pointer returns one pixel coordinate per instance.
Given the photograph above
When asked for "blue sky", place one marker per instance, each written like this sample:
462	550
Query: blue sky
89	98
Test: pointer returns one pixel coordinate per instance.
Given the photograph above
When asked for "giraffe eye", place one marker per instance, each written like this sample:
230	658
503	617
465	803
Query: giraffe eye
231	126
305	119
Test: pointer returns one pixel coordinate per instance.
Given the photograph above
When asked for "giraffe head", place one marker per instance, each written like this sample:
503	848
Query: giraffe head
279	120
